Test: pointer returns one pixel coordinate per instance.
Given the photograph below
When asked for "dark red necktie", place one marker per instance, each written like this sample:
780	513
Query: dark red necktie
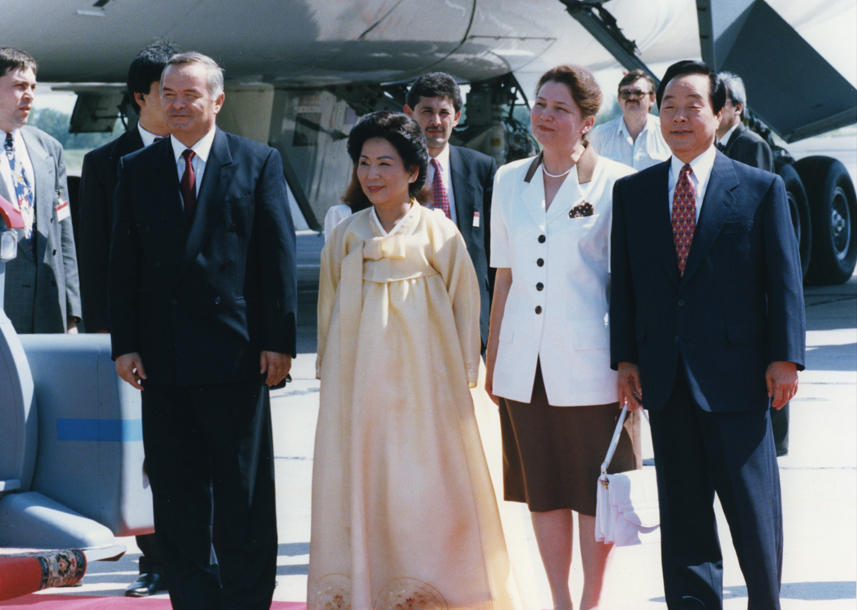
188	185
440	200
683	216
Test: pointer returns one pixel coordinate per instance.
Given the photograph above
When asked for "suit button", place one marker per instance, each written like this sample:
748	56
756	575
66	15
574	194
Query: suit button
173	301
676	339
681	302
540	286
541	239
54	253
157	264
540	262
148	228
538	309
217	300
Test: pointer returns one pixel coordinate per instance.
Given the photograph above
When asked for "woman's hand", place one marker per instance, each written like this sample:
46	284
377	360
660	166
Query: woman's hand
502	284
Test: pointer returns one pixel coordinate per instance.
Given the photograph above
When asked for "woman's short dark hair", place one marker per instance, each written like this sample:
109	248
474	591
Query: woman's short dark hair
407	138
583	87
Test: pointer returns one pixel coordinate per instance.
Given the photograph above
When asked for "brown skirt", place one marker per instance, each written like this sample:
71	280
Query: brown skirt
552	455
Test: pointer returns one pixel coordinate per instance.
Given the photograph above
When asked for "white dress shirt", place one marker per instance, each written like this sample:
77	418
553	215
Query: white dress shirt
147	136
612	140
556	310
701	167
202	149
725	139
446	178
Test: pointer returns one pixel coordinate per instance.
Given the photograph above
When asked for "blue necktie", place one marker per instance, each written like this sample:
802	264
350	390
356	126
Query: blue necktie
23	189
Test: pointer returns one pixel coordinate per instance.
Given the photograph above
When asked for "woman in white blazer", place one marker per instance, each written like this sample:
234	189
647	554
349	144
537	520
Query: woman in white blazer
548	353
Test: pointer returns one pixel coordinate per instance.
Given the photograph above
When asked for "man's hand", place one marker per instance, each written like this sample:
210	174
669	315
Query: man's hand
130	368
781	379
630	388
277	365
71	326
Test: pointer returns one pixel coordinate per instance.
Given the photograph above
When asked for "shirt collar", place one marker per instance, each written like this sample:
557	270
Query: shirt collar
202	148
725	139
148	137
701	166
443	158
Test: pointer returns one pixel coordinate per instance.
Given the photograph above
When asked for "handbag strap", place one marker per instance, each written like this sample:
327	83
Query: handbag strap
615	441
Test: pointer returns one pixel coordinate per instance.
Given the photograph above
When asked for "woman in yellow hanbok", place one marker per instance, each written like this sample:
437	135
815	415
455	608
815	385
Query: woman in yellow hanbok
403	511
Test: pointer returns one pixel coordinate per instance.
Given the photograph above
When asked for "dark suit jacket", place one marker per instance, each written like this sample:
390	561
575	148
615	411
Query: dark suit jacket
98	180
199	303
748	147
739	305
44	306
472	184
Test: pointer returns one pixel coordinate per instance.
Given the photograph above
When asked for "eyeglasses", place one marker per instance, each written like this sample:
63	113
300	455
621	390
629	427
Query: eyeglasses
627	94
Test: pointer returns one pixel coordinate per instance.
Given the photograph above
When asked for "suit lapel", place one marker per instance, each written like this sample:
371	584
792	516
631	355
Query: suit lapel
715	210
462	190
736	135
219	170
660	225
44	181
533	193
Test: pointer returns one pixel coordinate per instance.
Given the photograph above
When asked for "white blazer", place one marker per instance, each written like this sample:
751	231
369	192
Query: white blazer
557	309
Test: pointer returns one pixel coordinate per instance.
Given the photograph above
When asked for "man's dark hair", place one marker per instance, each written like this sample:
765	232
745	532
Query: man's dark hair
716	88
147	67
435	84
12	59
406	136
633	76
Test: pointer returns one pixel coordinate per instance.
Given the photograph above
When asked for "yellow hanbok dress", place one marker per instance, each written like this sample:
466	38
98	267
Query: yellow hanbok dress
403	511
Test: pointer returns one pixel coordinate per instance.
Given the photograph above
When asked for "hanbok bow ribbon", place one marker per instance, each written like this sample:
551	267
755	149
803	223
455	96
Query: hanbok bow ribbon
392	246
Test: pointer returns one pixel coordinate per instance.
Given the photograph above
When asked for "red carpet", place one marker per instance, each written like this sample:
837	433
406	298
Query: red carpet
80	602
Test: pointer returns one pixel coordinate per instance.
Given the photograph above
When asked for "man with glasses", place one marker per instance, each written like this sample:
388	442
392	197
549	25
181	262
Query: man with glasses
635	137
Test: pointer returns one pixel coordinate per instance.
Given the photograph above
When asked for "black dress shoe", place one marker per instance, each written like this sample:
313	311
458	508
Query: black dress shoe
146	585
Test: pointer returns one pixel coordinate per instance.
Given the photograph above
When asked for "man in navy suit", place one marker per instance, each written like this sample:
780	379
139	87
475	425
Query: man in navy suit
434	100
97	184
736	141
202	318
707	331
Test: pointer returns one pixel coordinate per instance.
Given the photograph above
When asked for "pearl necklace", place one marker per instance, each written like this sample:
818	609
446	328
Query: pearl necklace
550	175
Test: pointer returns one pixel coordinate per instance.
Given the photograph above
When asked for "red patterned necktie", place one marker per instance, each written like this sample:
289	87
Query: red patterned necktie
188	185
440	201
683	216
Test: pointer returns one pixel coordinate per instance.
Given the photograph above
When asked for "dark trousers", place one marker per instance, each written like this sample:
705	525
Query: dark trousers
698	454
150	560
209	450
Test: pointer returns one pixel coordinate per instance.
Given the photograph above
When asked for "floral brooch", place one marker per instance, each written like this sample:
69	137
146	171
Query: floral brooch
579	211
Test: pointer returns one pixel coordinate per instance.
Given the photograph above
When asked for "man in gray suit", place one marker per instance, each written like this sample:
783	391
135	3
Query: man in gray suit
42	291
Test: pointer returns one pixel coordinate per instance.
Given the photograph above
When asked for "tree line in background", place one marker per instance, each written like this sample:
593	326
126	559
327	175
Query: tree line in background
56	124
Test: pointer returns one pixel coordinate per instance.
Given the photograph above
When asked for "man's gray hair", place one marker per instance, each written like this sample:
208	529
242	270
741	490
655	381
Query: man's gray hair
735	88
215	72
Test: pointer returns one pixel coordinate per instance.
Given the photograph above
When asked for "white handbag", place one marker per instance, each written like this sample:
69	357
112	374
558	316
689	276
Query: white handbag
627	509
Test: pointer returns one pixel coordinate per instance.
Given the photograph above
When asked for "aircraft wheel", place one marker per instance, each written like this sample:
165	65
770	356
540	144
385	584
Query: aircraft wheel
833	212
799	210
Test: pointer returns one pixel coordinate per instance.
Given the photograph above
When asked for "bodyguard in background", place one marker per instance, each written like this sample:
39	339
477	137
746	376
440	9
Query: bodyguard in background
42	289
707	331
202	319
461	179
741	144
97	183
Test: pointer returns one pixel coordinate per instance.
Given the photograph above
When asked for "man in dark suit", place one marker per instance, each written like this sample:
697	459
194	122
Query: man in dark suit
734	140
739	143
97	184
434	100
707	331
202	318
42	289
